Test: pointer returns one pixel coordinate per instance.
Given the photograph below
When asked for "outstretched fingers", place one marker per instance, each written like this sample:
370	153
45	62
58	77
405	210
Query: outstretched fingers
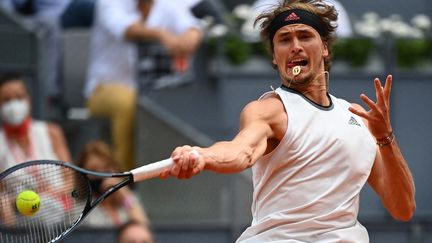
379	91
387	88
378	114
383	93
358	112
370	103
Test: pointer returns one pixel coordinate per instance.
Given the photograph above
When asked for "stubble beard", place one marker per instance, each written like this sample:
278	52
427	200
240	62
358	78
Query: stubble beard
300	82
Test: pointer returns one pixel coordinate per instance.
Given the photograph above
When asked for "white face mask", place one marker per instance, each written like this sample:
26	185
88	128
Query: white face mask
14	112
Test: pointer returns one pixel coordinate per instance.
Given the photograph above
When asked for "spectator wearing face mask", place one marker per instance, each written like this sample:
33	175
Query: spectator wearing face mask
23	138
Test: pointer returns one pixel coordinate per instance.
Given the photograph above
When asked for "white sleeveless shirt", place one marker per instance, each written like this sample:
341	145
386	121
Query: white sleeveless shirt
12	154
307	189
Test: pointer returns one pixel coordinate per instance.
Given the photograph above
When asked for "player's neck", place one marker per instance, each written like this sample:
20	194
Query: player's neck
317	89
318	95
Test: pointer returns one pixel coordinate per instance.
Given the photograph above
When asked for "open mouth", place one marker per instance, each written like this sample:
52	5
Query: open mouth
298	62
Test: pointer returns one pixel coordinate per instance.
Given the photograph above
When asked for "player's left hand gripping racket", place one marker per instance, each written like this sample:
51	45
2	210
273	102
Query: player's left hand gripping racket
65	197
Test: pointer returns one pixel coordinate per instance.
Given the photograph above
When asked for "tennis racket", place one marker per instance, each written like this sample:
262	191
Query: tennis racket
65	197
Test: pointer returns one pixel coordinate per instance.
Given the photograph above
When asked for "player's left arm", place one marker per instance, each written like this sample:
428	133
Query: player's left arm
390	177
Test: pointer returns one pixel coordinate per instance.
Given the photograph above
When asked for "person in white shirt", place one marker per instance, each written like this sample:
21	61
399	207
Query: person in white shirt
310	152
23	138
111	85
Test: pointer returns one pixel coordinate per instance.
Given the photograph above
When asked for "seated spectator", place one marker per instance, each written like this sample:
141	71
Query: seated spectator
23	138
112	84
120	207
134	232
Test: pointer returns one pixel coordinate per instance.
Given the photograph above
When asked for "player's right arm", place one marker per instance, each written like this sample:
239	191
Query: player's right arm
257	125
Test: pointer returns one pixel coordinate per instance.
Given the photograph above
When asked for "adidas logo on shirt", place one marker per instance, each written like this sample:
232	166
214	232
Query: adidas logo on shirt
353	121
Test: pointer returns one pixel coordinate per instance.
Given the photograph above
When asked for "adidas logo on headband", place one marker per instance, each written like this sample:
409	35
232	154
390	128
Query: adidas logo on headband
292	17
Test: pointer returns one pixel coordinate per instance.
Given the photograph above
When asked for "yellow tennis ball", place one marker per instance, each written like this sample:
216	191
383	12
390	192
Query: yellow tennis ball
28	203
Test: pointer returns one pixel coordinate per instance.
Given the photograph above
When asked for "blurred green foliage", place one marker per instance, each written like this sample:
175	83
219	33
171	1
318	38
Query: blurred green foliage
236	50
355	51
413	52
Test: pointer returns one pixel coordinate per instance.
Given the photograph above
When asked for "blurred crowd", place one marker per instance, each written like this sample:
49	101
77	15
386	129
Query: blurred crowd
110	89
24	138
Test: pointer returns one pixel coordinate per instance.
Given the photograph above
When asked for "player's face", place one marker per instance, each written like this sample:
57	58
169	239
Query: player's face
299	45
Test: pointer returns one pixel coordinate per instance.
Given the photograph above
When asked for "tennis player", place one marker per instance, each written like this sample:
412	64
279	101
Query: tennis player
310	152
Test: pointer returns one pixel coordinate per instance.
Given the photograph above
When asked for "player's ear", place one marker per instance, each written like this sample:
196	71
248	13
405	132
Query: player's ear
274	64
325	52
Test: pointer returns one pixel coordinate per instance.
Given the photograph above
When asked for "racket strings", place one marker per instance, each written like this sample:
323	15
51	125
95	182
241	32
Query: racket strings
63	196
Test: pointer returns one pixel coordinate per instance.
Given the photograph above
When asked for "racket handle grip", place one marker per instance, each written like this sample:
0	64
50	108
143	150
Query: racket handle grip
151	170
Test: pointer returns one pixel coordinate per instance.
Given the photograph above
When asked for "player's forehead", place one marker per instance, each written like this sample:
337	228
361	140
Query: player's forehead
295	29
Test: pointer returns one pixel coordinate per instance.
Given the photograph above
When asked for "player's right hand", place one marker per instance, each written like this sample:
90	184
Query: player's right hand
188	161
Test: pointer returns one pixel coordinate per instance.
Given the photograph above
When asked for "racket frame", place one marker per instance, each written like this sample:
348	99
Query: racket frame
90	204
